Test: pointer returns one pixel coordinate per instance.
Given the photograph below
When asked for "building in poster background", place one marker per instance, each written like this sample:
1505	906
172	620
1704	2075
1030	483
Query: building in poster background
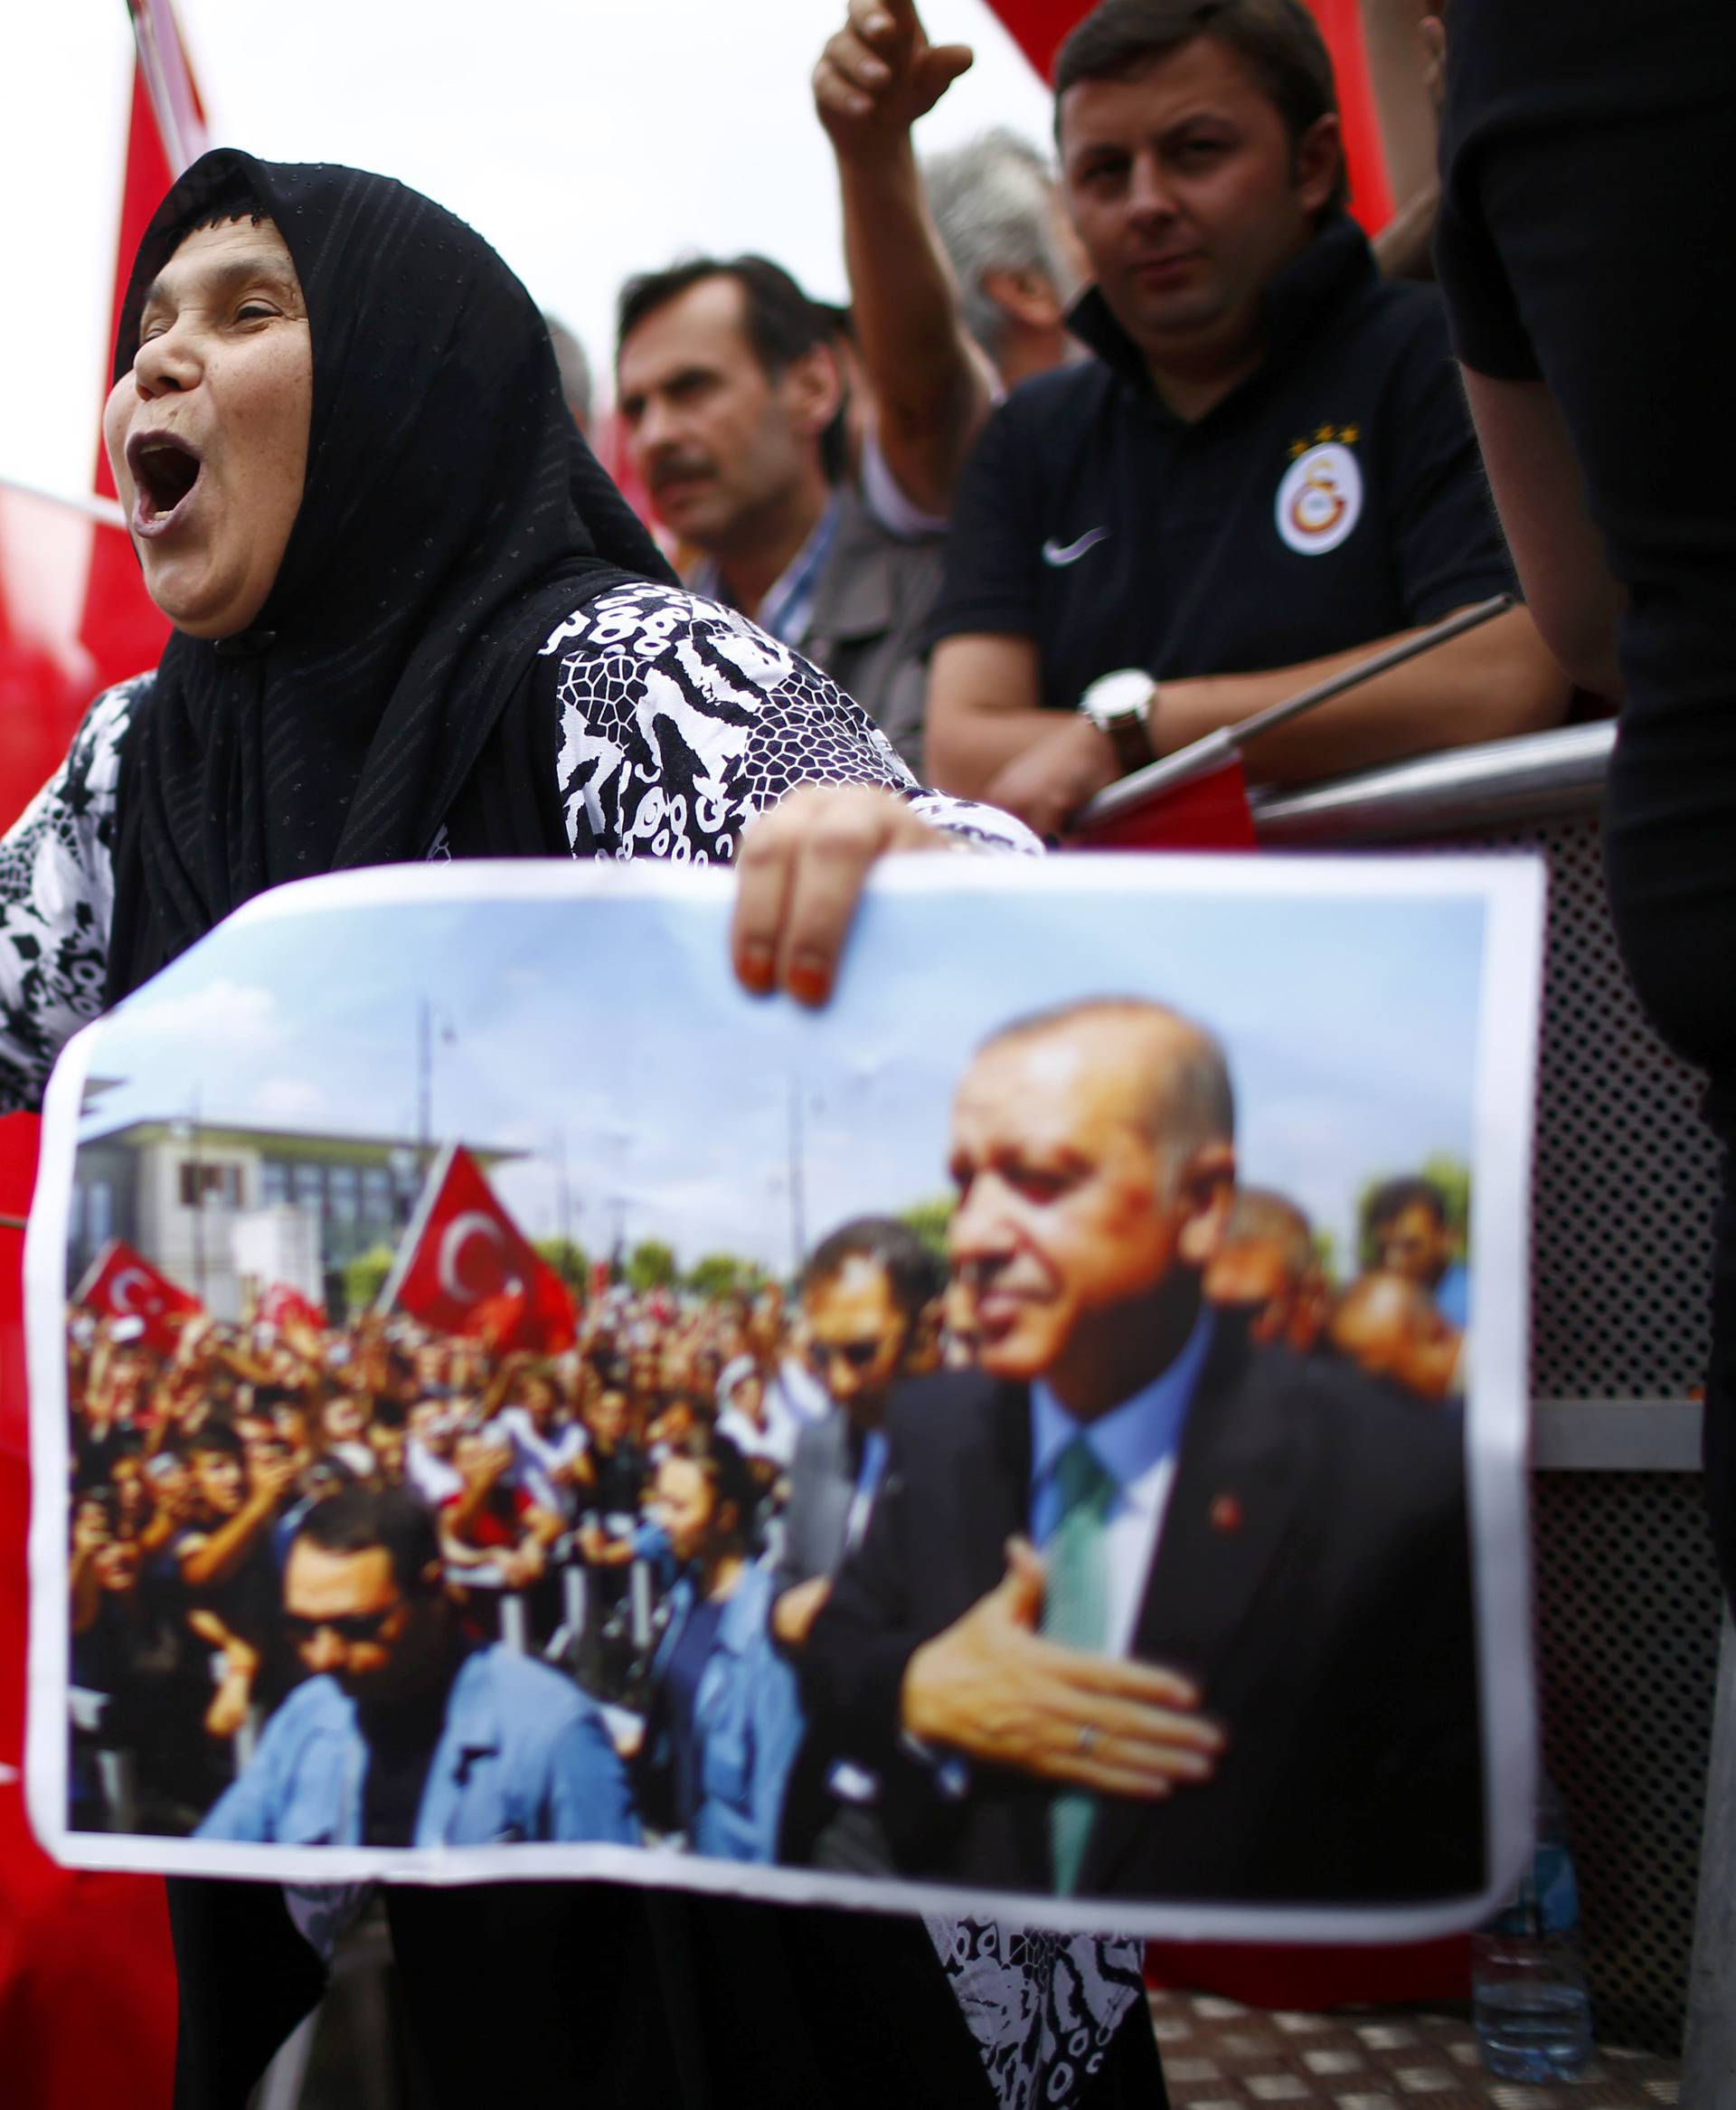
230	1209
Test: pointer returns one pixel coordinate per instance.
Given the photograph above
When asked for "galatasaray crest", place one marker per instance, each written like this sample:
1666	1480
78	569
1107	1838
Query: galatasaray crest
1320	499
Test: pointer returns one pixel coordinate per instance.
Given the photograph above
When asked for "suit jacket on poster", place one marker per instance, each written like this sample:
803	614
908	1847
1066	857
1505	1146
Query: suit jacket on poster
818	1828
822	1493
1313	1574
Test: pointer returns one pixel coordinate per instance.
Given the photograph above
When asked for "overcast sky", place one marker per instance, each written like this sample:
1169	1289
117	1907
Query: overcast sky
585	140
614	1026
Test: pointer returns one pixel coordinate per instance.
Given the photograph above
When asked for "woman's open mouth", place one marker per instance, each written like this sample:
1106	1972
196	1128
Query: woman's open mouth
166	473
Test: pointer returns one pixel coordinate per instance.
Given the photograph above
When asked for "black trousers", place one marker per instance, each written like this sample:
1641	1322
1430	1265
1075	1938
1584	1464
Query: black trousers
1588	184
608	1998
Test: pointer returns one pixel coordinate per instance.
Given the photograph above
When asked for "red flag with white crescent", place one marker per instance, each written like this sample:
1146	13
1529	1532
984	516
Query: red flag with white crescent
61	1930
121	1284
74	614
121	628
467	1267
285	1307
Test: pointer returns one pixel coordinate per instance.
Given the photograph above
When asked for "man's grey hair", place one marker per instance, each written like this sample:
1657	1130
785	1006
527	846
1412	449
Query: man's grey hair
575	369
1192	1102
993	202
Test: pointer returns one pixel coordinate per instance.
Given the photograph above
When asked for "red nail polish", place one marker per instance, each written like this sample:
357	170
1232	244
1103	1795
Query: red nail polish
809	982
757	967
1225	1514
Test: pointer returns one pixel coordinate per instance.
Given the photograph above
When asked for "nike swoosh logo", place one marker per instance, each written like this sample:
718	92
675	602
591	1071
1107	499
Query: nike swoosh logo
1055	553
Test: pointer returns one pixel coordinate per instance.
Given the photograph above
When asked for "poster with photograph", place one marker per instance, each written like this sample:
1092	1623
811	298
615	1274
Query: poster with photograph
1043	1435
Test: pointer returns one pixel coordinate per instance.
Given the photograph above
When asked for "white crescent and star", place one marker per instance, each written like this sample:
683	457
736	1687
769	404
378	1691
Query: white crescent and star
471	1224
120	1291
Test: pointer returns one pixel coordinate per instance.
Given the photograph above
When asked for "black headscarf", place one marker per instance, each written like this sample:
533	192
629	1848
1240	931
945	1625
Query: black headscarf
452	518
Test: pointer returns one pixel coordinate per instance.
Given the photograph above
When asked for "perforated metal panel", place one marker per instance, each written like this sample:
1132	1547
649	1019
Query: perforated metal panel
1624	1183
1629	1605
1628	1650
1626	1174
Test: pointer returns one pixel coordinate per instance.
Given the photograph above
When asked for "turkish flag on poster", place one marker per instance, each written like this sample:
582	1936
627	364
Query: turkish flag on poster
534	1314
122	1284
284	1307
467	1267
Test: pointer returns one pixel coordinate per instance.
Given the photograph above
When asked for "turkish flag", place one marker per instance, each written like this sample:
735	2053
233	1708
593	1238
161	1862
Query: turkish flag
608	443
285	1307
47	677
121	628
122	1284
74	1946
535	1314
467	1267
74	614
1206	813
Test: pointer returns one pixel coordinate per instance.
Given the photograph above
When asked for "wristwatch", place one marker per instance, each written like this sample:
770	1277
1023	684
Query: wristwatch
1119	704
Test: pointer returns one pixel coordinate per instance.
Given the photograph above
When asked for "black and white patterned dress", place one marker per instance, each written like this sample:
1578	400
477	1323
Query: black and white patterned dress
679	721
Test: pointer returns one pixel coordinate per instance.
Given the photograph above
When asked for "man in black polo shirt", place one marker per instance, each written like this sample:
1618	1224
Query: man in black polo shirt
1266	472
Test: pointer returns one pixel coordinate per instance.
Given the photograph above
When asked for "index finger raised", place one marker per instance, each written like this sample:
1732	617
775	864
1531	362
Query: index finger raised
882	22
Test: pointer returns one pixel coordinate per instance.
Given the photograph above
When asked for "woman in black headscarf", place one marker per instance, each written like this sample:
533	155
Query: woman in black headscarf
414	619
393	682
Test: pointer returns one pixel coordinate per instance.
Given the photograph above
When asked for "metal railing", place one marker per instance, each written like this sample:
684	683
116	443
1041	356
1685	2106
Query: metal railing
512	1601
1538	776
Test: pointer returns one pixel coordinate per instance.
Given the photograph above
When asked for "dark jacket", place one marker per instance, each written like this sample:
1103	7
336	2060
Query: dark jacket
1313	1575
822	1490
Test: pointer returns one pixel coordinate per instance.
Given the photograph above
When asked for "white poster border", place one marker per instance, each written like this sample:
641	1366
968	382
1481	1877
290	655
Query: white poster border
1512	890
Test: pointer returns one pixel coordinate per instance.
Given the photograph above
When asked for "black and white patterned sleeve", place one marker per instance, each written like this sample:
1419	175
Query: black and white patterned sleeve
57	898
1043	2008
679	721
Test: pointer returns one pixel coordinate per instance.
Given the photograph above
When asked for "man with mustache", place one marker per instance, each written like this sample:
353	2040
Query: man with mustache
731	386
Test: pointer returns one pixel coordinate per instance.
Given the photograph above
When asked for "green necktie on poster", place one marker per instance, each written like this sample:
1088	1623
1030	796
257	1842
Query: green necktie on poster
1076	1613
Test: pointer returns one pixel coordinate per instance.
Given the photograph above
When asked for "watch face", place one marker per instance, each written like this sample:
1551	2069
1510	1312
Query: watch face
1122	695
